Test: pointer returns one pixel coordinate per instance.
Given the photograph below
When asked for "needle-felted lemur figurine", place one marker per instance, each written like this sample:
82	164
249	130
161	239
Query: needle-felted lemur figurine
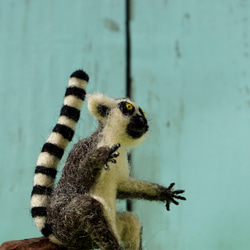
80	212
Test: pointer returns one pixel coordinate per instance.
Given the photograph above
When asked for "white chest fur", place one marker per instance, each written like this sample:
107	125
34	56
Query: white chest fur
106	186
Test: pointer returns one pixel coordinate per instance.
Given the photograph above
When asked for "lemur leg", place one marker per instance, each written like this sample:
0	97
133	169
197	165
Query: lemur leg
130	230
85	226
100	230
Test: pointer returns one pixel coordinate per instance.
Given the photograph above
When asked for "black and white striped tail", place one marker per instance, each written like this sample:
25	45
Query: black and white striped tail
53	149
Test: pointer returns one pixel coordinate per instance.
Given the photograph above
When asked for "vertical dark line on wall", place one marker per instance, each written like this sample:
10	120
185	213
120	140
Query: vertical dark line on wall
129	203
128	49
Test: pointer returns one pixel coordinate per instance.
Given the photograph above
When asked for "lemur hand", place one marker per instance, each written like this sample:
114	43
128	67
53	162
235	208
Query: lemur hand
171	195
112	154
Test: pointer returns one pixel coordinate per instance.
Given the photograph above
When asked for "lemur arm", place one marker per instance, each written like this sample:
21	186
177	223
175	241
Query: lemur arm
135	189
101	156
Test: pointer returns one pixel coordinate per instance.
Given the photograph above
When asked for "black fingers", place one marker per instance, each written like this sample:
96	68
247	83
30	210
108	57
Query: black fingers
179	191
176	196
175	202
179	197
112	160
106	166
171	186
112	154
114	148
169	201
172	195
168	205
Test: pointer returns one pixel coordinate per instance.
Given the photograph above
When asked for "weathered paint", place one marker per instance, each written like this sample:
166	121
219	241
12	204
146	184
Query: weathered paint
191	74
41	44
190	70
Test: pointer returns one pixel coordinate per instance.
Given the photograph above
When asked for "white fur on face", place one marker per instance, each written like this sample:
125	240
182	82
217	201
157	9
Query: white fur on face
115	124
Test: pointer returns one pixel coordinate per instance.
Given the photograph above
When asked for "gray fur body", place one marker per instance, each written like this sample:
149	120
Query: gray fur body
70	204
75	217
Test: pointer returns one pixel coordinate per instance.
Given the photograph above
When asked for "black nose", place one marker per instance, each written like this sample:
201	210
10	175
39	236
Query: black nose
140	121
137	127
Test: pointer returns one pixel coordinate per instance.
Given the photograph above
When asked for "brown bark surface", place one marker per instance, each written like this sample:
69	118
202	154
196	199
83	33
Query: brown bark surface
40	243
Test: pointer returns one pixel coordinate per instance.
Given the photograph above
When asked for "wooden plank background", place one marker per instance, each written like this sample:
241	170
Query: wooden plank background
190	71
42	43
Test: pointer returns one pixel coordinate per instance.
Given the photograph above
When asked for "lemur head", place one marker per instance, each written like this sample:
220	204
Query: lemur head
121	120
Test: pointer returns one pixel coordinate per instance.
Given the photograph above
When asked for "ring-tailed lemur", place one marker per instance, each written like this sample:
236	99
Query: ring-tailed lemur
80	212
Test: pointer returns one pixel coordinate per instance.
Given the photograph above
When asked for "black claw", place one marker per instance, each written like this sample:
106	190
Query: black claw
175	202
114	155
106	167
114	148
179	191
112	160
167	206
180	198
171	186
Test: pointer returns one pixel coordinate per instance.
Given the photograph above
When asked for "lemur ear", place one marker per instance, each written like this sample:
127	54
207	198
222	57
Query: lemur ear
100	105
103	110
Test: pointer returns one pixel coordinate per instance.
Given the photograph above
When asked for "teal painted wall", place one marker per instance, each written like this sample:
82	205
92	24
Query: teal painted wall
191	59
190	73
41	44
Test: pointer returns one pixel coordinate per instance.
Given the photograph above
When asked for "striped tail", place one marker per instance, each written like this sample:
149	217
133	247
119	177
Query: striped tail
53	149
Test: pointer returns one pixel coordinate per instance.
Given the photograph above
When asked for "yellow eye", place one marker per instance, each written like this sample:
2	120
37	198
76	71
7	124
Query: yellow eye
143	113
129	106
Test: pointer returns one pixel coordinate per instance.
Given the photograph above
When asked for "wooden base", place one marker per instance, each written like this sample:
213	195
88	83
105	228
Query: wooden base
40	243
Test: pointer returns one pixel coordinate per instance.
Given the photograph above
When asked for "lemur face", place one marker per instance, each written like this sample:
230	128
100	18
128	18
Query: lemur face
119	116
138	125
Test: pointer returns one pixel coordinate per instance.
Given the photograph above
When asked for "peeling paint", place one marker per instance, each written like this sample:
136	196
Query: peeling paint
111	25
177	49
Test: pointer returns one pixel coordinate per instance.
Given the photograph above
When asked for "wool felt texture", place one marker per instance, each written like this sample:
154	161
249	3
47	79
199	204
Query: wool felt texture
80	212
53	150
